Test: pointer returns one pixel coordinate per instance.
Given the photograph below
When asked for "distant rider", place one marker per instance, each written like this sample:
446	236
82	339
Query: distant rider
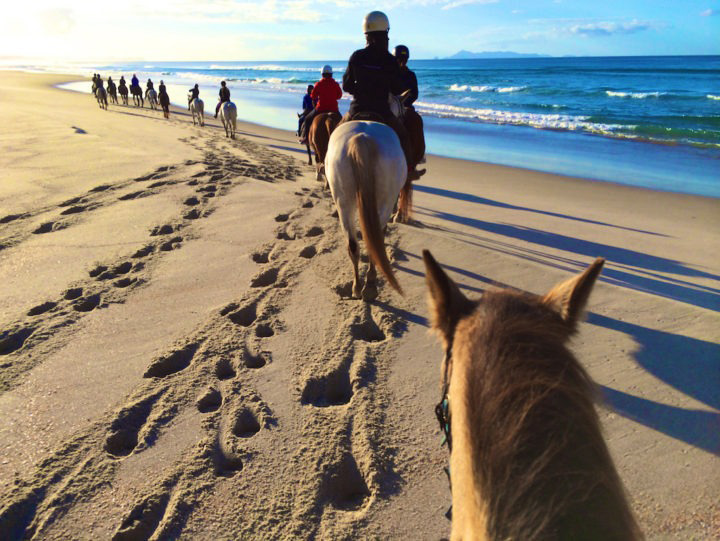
224	96
194	94
164	99
325	94
413	121
149	86
134	81
307	106
371	76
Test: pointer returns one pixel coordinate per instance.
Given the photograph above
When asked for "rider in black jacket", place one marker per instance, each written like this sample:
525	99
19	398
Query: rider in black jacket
372	74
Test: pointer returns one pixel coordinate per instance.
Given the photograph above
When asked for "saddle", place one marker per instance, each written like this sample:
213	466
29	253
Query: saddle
368	116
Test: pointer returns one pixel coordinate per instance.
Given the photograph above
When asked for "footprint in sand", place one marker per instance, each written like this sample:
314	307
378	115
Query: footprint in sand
255	360
42	308
73	293
124	282
245	316
246	424
72	201
209	401
332	389
173	363
144	252
87	304
282	217
144	518
343	484
172	244
224	369
263	330
11	341
97	271
307	204
12	217
162	230
134	195
123	268
125	429
315	231
265	278
74	210
49	227
194	214
191	201
308	252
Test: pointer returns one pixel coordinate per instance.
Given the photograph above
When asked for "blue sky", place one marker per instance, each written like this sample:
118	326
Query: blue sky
331	29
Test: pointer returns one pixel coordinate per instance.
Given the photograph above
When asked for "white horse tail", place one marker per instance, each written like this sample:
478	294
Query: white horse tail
363	153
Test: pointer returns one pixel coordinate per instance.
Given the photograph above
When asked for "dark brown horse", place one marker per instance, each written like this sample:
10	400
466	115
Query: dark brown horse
318	136
527	456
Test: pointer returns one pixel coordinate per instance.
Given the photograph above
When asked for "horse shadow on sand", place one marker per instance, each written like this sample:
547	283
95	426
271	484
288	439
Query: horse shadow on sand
687	364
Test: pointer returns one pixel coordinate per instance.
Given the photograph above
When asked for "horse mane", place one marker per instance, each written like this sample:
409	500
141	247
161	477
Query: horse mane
541	465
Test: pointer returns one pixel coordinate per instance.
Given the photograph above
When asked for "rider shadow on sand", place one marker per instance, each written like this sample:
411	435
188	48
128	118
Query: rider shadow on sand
646	264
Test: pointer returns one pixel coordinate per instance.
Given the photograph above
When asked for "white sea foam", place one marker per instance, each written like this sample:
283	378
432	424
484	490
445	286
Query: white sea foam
713	97
484	88
636	95
535	120
264	67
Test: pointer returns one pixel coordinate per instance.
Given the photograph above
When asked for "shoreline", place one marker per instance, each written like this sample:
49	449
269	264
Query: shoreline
674	168
165	283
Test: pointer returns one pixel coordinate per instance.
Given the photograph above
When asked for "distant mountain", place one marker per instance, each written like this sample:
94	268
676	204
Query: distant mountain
461	55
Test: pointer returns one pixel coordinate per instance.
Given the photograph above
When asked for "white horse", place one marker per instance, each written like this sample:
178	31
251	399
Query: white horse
228	115
366	168
101	96
197	108
152	98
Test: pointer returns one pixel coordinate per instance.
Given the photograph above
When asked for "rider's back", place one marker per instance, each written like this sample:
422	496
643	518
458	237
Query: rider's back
372	74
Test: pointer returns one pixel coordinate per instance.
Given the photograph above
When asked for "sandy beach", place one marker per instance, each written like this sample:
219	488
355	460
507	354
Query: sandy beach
180	358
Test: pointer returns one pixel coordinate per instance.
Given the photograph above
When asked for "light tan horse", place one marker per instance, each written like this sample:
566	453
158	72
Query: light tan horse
527	457
318	138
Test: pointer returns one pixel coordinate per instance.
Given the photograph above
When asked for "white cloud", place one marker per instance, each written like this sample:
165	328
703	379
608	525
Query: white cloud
609	28
459	3
709	12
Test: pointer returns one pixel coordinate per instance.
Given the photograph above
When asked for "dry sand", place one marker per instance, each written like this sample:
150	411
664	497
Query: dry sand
179	357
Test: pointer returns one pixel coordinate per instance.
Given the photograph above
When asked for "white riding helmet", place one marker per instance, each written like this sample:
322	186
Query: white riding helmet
327	68
376	21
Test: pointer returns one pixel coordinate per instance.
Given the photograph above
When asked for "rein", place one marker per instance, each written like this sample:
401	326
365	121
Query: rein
442	412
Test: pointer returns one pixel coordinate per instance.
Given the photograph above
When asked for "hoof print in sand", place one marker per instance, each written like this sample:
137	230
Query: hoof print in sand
334	389
344	291
367	331
315	231
73	293
77	209
134	195
194	214
123	268
48	227
261	257
307	204
246	316
144	252
210	401
162	230
175	362
308	252
88	304
265	278
284	235
13	341
282	217
125	429
124	282
344	486
97	271
246	424
224	369
42	308
172	244
264	330
11	217
72	201
191	201
226	464
253	360
143	520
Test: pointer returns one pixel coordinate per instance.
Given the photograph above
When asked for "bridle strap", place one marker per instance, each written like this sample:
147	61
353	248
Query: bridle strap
442	409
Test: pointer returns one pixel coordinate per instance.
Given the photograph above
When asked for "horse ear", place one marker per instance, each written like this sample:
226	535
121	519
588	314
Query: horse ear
569	298
447	304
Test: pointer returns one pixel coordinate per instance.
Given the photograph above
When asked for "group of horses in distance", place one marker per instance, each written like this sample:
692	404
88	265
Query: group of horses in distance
527	456
228	110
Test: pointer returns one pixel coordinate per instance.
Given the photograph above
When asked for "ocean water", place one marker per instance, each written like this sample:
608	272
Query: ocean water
644	121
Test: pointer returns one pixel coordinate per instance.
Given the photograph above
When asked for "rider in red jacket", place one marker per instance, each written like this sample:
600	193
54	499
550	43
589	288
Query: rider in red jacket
326	94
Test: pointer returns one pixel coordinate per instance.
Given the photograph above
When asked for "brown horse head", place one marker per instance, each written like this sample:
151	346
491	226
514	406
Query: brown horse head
528	459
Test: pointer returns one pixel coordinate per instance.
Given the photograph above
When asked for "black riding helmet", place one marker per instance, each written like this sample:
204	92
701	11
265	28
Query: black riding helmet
402	51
